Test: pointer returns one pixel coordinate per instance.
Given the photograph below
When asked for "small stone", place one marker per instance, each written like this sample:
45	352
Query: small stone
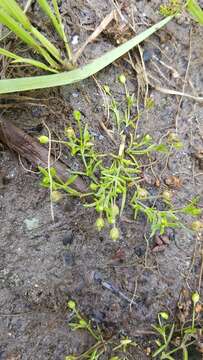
68	238
97	277
31	224
140	250
75	40
68	258
147	55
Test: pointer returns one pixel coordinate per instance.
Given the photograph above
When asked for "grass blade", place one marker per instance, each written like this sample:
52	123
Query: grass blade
16	28
195	10
47	10
47	44
20	59
12	8
35	63
65	78
64	37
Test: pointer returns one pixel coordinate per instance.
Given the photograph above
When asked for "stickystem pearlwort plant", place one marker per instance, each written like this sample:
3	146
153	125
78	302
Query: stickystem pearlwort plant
115	178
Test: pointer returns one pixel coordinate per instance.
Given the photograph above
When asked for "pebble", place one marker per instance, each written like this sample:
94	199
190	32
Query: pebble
68	238
140	250
98	277
75	40
68	258
31	224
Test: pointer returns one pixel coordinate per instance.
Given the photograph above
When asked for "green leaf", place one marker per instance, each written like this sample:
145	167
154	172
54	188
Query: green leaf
46	43
13	9
65	78
158	351
46	8
160	148
15	27
195	10
192	209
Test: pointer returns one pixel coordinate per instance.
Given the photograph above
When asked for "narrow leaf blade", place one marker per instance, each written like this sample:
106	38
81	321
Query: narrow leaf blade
65	78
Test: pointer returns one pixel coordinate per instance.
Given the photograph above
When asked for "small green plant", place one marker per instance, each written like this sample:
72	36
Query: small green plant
175	7
116	177
102	344
174	339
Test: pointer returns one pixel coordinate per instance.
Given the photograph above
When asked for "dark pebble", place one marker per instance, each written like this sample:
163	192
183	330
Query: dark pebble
98	277
68	258
68	238
140	250
147	55
170	233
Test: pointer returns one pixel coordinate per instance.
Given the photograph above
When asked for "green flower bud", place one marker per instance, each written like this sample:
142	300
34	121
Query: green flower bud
107	89
164	315
71	304
167	195
122	79
197	225
77	115
56	196
70	133
93	186
195	297
115	210
99	208
43	139
83	322
114	234
147	138
142	193
173	137
99	223
53	171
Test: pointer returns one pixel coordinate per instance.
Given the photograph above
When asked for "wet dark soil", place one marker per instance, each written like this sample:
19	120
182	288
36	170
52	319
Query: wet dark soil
43	264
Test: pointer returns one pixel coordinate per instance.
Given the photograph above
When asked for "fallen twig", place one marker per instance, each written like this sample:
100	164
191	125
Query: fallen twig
30	148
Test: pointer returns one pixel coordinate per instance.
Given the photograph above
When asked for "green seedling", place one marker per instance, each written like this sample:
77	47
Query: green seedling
122	119
174	340
102	345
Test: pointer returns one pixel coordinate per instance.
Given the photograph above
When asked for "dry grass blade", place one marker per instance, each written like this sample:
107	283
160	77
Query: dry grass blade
96	33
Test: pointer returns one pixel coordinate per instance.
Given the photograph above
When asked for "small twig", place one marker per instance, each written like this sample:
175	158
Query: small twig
134	294
103	94
49	172
201	270
174	92
107	131
102	26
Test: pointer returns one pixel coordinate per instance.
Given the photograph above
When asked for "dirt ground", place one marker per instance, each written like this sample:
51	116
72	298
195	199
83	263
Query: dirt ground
38	273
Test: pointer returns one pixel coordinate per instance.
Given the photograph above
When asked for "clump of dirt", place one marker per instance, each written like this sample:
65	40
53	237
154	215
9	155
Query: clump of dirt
43	264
